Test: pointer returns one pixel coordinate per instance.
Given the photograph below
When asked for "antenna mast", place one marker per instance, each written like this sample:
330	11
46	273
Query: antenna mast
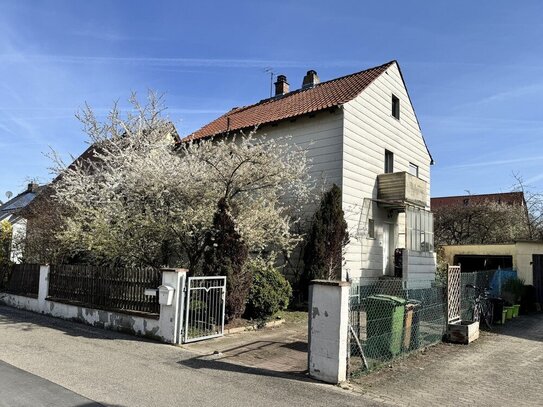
269	70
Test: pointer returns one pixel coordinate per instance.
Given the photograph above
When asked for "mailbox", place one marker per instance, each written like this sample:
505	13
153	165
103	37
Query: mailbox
165	294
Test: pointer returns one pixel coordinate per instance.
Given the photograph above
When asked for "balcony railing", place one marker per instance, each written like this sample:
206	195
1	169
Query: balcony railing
400	189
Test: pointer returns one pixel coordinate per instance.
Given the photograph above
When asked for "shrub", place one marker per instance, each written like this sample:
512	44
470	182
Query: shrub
515	288
225	255
270	292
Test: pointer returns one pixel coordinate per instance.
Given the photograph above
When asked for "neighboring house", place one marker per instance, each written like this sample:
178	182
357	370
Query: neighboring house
505	198
11	212
361	133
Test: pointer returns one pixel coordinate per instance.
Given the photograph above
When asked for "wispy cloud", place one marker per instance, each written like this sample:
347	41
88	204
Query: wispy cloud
534	179
173	61
506	95
495	162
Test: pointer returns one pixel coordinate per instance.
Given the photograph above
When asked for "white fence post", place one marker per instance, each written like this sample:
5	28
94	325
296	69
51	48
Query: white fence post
43	290
328	330
171	316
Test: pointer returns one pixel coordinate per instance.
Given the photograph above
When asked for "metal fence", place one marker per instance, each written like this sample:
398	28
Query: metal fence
388	320
205	304
115	289
20	279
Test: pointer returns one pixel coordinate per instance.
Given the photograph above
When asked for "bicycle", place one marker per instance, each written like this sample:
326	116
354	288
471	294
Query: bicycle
482	308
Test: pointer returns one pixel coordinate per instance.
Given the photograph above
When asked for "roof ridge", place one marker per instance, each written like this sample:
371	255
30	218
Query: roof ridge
297	91
333	92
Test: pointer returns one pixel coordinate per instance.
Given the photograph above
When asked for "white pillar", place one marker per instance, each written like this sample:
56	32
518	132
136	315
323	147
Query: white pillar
171	316
43	290
328	330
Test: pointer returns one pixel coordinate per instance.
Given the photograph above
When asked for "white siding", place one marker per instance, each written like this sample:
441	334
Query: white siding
369	129
321	136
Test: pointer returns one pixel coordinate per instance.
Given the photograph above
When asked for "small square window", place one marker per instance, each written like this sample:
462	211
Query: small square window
389	162
395	107
414	169
371	229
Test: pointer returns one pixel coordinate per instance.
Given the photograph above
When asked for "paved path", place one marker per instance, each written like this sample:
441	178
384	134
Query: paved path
280	349
502	368
21	389
116	369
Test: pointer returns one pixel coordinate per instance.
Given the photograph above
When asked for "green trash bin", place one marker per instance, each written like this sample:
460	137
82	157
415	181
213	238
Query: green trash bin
385	319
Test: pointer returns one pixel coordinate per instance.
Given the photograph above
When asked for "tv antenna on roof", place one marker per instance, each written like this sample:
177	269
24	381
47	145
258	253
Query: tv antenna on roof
269	70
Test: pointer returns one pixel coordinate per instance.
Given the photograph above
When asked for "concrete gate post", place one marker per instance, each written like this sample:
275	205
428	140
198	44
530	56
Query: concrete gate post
171	315
43	288
328	330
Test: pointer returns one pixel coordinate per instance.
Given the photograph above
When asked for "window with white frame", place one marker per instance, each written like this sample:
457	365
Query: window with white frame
414	169
389	162
395	107
420	229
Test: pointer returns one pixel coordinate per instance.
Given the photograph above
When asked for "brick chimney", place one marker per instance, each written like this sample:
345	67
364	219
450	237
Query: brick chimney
281	86
310	79
32	187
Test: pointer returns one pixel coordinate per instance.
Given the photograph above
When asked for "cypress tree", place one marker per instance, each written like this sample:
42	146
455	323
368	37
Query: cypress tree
328	236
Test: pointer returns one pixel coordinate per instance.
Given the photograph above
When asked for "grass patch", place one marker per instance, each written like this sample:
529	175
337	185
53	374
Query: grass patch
295	317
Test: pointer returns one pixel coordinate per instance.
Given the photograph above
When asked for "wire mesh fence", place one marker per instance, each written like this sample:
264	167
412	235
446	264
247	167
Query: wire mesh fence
388	320
482	279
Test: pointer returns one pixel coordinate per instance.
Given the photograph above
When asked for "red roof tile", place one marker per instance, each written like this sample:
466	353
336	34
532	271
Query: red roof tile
325	95
509	198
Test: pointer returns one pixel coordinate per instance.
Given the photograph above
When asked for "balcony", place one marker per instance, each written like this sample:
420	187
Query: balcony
398	189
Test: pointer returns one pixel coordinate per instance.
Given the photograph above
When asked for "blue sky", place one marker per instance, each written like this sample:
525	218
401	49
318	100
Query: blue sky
474	70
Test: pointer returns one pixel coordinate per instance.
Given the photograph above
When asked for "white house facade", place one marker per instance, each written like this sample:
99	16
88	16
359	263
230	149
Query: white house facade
361	133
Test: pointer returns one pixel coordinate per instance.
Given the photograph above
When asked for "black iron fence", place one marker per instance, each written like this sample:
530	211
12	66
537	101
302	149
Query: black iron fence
115	289
20	279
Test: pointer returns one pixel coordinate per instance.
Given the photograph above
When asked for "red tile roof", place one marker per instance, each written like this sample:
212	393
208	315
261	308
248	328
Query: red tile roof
322	96
509	198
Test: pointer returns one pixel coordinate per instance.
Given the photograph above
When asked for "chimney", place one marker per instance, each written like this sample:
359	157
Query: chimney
281	86
310	79
32	187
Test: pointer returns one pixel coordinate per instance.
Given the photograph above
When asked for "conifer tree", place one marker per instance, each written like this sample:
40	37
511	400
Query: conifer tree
323	254
225	254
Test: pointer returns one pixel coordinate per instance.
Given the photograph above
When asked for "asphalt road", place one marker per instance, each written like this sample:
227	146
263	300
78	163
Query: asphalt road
120	370
22	389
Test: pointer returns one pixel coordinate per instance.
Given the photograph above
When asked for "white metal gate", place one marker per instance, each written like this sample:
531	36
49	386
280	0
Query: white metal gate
204	312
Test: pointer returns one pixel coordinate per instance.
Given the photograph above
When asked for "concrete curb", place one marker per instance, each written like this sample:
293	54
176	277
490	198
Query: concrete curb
253	327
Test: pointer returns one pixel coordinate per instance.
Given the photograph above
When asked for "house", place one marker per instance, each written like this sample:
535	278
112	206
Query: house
505	198
11	212
524	256
360	132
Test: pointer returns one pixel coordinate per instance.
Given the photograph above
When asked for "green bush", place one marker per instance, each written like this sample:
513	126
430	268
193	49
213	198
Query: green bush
515	288
270	292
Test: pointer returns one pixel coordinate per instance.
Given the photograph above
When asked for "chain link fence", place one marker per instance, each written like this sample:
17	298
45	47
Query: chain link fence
388	320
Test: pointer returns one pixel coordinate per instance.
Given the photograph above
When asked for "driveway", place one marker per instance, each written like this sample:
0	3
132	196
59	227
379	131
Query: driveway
280	349
501	368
